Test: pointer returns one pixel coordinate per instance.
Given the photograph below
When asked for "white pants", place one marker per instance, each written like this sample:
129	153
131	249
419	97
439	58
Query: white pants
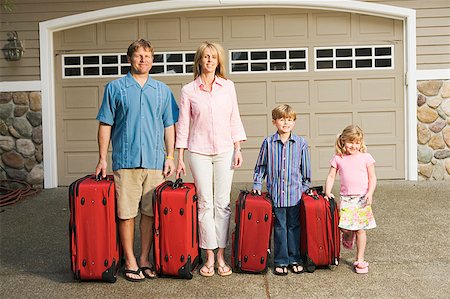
213	176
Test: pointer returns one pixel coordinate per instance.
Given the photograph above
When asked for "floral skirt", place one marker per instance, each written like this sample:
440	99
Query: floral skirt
355	214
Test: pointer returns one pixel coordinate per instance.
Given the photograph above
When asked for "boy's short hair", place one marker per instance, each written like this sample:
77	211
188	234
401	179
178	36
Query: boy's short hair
283	111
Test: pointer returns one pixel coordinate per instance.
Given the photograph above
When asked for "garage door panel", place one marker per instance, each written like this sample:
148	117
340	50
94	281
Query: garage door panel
328	125
302	125
256	127
80	100
375	26
176	90
320	161
389	160
84	36
332	25
291	92
290	26
377	92
201	29
84	130
379	124
252	96
82	163
248	28
120	32
162	30
333	91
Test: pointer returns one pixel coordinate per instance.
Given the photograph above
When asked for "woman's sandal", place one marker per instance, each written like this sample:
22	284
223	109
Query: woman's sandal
222	270
207	271
283	272
361	267
296	268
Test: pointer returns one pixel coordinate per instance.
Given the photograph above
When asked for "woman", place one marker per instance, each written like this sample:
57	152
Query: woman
209	126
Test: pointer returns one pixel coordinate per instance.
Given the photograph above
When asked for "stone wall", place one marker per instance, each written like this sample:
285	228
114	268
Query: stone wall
21	137
433	129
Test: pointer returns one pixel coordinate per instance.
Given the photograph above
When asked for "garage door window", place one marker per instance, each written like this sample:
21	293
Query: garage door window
269	60
113	65
360	57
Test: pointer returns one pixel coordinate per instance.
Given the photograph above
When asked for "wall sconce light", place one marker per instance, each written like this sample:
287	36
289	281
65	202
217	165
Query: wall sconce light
13	51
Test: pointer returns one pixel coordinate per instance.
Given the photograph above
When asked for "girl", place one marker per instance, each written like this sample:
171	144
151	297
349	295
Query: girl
356	169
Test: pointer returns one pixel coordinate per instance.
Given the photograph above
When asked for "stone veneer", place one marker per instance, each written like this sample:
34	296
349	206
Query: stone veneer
21	137
433	129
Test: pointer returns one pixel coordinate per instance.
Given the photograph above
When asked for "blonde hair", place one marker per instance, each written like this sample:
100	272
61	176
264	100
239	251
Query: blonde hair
283	111
220	69
349	134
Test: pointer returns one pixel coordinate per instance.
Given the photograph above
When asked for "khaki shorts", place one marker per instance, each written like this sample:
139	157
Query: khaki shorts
134	190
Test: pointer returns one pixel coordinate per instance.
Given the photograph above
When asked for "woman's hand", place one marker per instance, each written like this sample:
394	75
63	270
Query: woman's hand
237	158
181	168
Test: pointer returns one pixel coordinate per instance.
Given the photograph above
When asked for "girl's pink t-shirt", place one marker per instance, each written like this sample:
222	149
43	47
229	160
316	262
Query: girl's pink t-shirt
353	172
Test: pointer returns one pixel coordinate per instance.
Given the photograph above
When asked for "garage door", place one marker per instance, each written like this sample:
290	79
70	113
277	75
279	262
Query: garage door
334	68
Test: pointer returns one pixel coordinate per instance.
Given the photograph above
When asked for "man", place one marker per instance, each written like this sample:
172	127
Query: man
138	114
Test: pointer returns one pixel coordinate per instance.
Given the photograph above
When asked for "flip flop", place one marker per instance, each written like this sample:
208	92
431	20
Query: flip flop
361	267
221	270
206	270
148	276
297	268
283	273
136	272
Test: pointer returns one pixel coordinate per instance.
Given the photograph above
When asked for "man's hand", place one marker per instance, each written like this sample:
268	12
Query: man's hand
101	168
169	168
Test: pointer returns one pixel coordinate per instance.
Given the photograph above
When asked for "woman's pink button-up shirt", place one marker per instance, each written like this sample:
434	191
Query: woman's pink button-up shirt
209	122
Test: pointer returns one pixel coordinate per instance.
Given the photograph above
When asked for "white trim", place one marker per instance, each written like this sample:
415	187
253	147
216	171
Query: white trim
47	28
440	74
411	164
11	86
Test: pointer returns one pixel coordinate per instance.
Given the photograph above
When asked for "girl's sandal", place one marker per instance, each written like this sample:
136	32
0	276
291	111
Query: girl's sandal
361	267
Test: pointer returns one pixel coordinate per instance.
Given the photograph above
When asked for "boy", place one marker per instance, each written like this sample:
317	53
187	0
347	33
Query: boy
284	159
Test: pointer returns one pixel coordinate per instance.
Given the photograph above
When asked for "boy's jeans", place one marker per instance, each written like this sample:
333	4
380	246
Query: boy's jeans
287	236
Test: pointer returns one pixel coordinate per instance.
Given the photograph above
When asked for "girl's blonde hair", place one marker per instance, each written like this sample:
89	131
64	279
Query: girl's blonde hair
220	69
349	134
283	111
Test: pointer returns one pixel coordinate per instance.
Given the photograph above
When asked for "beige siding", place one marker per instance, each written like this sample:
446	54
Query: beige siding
25	18
433	31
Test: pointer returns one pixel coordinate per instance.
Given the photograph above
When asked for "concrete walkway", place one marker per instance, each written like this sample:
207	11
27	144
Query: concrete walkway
409	255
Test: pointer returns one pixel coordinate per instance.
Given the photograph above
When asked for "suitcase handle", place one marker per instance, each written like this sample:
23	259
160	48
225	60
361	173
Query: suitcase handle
99	177
178	182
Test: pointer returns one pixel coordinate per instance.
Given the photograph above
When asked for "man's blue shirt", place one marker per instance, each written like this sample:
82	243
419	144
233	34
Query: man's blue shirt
138	116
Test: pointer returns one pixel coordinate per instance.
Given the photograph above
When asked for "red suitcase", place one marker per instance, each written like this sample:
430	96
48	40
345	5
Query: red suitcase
251	237
94	239
320	236
176	251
